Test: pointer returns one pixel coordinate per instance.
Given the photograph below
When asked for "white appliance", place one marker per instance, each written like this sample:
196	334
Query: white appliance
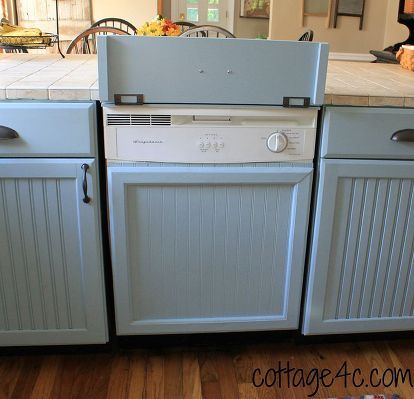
209	161
209	134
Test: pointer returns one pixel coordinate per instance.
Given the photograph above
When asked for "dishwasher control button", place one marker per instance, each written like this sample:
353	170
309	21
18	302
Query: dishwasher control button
277	142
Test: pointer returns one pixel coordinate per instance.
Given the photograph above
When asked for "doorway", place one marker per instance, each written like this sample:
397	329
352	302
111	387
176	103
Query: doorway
204	12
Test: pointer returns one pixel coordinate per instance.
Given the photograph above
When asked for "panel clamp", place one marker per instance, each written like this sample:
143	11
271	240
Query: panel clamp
296	102
129	99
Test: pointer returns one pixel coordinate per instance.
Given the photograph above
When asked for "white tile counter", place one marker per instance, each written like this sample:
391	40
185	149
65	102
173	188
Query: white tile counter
49	77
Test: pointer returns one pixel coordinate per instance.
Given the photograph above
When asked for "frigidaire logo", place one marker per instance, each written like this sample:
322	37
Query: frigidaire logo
148	142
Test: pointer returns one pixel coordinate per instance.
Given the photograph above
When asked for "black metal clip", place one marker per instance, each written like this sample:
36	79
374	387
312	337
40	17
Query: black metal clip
129	99
296	102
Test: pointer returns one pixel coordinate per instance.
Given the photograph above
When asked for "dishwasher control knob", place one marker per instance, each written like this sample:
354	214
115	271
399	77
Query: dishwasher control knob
277	142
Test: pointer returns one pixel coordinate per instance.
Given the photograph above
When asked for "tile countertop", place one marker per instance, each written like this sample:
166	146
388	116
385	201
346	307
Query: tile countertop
49	77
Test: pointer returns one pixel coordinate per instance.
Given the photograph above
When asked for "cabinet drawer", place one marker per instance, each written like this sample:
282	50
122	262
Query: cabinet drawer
48	129
353	132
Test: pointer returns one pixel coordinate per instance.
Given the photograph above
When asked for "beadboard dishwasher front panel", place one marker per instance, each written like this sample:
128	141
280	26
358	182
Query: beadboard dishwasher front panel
213	248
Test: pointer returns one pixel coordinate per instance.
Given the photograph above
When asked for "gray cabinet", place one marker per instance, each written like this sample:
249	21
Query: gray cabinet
51	277
51	289
361	276
208	248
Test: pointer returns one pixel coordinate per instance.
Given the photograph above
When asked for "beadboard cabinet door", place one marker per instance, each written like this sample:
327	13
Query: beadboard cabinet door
361	276
51	282
206	248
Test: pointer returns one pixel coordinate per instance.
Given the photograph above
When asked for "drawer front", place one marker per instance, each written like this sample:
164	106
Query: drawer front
47	129
352	132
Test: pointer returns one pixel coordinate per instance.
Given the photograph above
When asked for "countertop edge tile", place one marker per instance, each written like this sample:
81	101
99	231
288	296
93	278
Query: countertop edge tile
386	101
57	94
350	100
409	102
27	94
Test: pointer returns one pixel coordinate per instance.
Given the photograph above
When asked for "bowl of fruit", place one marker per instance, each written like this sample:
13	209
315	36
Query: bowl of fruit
18	36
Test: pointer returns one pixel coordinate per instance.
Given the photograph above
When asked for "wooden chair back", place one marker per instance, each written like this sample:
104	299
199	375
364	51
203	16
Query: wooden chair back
118	23
307	36
85	42
184	25
208	31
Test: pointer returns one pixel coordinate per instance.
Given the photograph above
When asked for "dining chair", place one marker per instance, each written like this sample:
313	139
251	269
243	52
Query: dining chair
85	42
307	36
118	23
207	31
184	25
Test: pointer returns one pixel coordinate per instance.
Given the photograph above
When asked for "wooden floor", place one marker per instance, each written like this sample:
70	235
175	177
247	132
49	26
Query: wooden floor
207	373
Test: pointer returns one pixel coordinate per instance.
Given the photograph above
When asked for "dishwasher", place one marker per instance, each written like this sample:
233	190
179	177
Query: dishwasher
209	164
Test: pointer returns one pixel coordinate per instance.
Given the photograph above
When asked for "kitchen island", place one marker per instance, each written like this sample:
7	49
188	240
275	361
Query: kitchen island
353	90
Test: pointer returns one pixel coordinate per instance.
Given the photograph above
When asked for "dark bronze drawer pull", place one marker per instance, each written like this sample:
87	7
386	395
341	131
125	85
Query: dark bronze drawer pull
7	133
86	199
406	135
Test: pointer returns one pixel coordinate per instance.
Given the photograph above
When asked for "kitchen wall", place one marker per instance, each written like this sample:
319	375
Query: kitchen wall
285	23
243	27
249	27
134	11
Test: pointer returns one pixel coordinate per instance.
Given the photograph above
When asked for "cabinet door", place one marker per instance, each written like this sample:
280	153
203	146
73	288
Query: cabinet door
51	280
198	249
361	275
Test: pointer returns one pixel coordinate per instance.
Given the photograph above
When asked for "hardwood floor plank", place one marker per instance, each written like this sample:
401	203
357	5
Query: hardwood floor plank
27	378
173	375
210	386
10	369
155	378
244	367
227	376
46	378
83	376
118	380
137	376
247	391
191	376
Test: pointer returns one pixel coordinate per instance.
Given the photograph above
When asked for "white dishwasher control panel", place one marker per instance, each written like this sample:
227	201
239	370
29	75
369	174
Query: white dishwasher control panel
209	135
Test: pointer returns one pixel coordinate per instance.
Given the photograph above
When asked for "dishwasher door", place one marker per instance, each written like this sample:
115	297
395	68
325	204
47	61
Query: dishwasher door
208	248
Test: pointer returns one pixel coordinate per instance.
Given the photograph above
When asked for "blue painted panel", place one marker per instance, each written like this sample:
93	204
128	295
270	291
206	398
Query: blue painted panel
51	282
48	129
180	70
207	248
361	267
352	132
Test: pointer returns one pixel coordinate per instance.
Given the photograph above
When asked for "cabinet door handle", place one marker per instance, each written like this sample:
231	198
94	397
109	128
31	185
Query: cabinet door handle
7	133
86	199
406	135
